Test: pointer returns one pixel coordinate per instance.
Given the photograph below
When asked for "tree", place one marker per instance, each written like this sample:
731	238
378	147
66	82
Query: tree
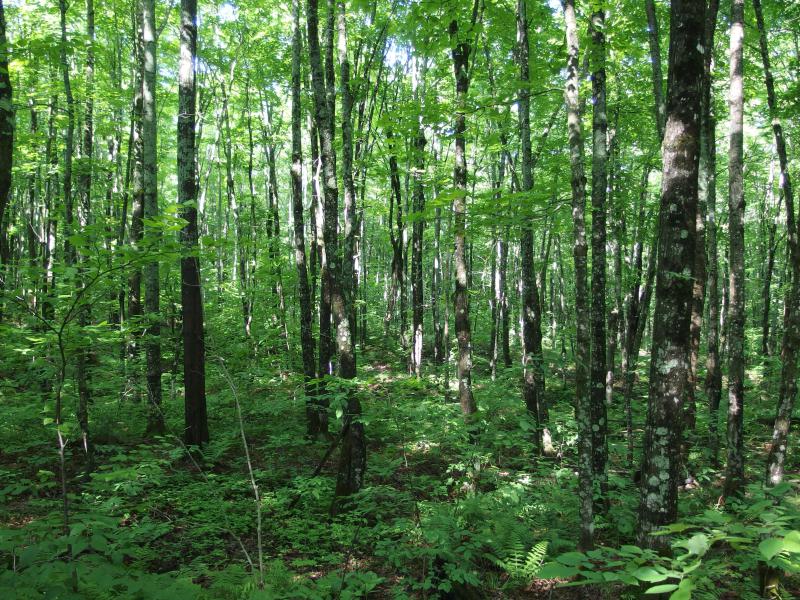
579	254
791	321
304	292
734	468
597	61
533	374
194	377
461	50
6	137
658	501
152	286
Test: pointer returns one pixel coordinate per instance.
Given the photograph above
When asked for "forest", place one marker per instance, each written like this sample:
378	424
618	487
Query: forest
412	299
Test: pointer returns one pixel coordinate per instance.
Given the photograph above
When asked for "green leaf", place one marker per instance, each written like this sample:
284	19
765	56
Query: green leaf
770	547
571	559
662	589
684	591
791	543
554	570
649	574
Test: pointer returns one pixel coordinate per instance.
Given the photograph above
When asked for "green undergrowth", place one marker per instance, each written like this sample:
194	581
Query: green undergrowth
445	512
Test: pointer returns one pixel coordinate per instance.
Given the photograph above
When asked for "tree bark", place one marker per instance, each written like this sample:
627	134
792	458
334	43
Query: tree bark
461	51
708	190
532	364
579	253
654	39
155	419
194	376
734	468
353	457
669	367
6	137
598	292
304	292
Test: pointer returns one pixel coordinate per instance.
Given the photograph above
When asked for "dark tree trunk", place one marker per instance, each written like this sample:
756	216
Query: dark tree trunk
598	292
654	39
194	368
304	292
708	191
6	137
533	373
676	244
734	468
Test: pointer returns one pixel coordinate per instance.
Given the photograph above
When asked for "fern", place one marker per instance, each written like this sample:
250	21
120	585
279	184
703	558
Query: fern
521	565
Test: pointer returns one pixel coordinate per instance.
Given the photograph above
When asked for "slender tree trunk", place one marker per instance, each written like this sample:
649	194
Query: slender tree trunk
533	373
194	377
461	52
791	332
328	201
734	468
654	40
708	190
598	310
669	367
6	139
418	230
436	280
135	308
579	252
304	292
353	457
396	239
155	421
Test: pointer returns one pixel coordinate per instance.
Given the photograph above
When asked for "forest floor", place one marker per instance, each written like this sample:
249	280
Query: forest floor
440	513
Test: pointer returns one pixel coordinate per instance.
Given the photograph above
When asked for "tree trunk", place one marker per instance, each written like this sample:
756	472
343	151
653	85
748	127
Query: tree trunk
194	376
598	292
155	420
418	230
6	136
533	374
791	332
461	51
708	190
579	252
353	457
669	367
654	39
734	468
304	292
135	309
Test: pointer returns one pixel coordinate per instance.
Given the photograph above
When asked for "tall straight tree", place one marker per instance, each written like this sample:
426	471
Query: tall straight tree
155	418
533	374
734	468
353	457
579	254
654	39
330	192
304	292
708	192
194	367
791	327
658	502
6	134
597	65
462	48
418	229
